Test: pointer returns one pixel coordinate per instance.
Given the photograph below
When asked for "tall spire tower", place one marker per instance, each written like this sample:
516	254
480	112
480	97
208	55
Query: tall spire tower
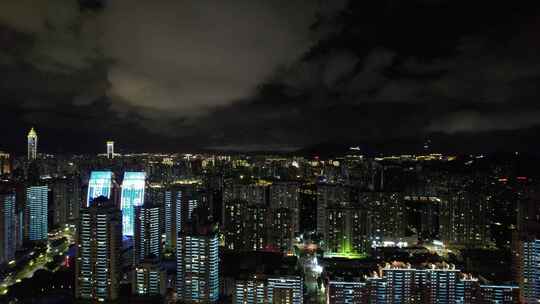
110	149
32	144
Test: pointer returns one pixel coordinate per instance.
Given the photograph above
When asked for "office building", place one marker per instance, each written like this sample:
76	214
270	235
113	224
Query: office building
132	195
8	228
110	149
32	145
147	240
197	255
36	210
149	278
98	262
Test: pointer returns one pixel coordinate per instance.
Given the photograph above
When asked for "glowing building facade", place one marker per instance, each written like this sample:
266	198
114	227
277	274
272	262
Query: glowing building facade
149	279
132	196
100	184
530	271
400	283
7	227
500	294
269	289
198	268
37	212
32	144
180	201
197	258
346	292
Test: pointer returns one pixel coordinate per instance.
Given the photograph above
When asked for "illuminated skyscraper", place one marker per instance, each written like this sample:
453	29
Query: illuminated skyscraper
32	144
36	212
132	195
7	227
173	199
110	149
147	232
99	252
100	184
530	271
180	200
197	258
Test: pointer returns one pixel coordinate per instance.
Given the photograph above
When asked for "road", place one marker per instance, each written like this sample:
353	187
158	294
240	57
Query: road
40	261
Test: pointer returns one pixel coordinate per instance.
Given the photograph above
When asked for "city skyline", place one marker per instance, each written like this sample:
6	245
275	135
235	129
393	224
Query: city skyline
388	76
269	152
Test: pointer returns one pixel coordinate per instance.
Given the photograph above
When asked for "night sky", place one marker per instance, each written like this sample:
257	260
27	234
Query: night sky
173	75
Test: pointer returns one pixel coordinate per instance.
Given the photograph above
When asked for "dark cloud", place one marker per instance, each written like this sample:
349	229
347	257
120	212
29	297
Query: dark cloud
275	74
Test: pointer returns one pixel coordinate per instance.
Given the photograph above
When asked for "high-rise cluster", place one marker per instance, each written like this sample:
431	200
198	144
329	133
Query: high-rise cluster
398	282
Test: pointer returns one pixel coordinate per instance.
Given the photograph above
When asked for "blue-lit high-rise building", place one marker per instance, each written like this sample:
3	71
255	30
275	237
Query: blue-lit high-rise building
530	271
285	290
147	232
399	282
132	196
36	212
197	257
100	184
499	294
98	265
8	233
269	289
180	201
346	292
149	279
